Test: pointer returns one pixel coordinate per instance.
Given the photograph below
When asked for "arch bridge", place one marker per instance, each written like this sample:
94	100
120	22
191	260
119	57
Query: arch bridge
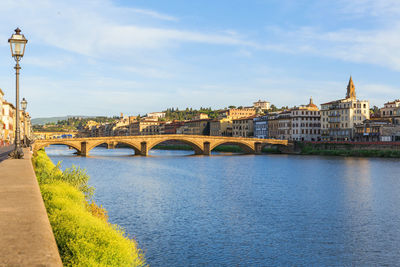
202	144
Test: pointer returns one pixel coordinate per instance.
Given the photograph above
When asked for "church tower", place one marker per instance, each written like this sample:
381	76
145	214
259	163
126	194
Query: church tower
351	90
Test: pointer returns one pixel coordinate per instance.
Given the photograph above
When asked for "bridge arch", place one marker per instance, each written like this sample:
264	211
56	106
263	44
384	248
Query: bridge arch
198	148
45	144
247	148
134	146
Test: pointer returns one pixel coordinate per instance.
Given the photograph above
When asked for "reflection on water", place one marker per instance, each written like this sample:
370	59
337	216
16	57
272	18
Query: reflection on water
249	210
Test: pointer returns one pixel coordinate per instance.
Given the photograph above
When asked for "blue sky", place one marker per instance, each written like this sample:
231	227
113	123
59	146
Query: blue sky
104	57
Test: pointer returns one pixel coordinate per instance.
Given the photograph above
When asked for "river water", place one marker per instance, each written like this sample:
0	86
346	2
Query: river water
247	210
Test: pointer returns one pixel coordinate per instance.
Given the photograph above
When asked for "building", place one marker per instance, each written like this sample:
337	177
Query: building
306	123
262	105
9	116
156	114
243	127
1	118
221	127
170	127
237	113
144	127
200	116
339	117
391	110
284	125
377	130
195	127
261	127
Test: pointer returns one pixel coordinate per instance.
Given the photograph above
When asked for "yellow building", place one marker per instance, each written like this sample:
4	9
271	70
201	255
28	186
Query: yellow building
144	127
243	127
221	127
237	113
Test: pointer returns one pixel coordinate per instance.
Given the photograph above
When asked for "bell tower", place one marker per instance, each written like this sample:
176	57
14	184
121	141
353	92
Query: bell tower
351	90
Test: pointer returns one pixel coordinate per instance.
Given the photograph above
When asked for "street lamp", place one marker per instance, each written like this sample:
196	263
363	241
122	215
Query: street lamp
24	103
17	45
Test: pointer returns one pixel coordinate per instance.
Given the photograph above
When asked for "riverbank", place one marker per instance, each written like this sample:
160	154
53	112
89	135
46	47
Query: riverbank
83	235
221	148
348	150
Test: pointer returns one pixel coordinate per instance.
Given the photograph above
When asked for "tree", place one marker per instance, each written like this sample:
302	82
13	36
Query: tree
230	107
273	108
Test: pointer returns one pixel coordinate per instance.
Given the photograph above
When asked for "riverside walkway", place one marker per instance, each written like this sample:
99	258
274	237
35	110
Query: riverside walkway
26	237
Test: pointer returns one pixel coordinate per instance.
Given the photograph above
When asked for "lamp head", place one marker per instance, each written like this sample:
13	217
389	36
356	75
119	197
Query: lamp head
17	44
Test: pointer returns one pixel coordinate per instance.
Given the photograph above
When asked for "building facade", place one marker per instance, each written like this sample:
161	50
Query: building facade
195	127
339	117
243	127
261	127
221	127
262	105
306	123
8	122
237	113
391	110
144	127
170	127
379	130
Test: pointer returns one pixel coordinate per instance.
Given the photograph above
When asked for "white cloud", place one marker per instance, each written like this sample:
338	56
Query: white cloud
375	8
154	14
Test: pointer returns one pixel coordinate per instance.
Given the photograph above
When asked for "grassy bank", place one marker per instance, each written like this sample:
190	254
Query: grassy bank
221	148
173	147
83	235
309	150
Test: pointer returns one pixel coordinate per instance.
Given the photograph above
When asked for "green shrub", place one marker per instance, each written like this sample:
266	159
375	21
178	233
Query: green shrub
83	235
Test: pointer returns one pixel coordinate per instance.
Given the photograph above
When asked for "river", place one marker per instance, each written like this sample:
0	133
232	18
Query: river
248	210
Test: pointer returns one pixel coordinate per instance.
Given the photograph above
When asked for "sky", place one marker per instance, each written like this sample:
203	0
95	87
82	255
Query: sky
104	57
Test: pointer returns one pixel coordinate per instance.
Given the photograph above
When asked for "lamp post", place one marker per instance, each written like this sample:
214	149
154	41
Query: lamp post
17	45
24	103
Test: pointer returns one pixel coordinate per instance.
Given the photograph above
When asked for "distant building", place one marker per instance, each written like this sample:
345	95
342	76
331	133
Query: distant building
156	114
391	110
200	116
237	113
144	127
339	117
221	127
261	127
306	123
377	130
262	105
170	127
195	127
243	127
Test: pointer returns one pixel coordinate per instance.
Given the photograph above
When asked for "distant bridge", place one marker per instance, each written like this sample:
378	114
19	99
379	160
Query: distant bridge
51	135
201	144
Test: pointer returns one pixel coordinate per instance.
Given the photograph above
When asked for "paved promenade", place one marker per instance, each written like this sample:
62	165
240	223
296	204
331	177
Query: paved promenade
4	151
26	238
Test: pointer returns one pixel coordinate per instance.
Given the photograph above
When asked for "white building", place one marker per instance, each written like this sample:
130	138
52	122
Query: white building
339	117
262	105
306	123
156	114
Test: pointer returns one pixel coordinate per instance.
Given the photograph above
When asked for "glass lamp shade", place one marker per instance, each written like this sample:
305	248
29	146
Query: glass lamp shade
17	44
24	103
